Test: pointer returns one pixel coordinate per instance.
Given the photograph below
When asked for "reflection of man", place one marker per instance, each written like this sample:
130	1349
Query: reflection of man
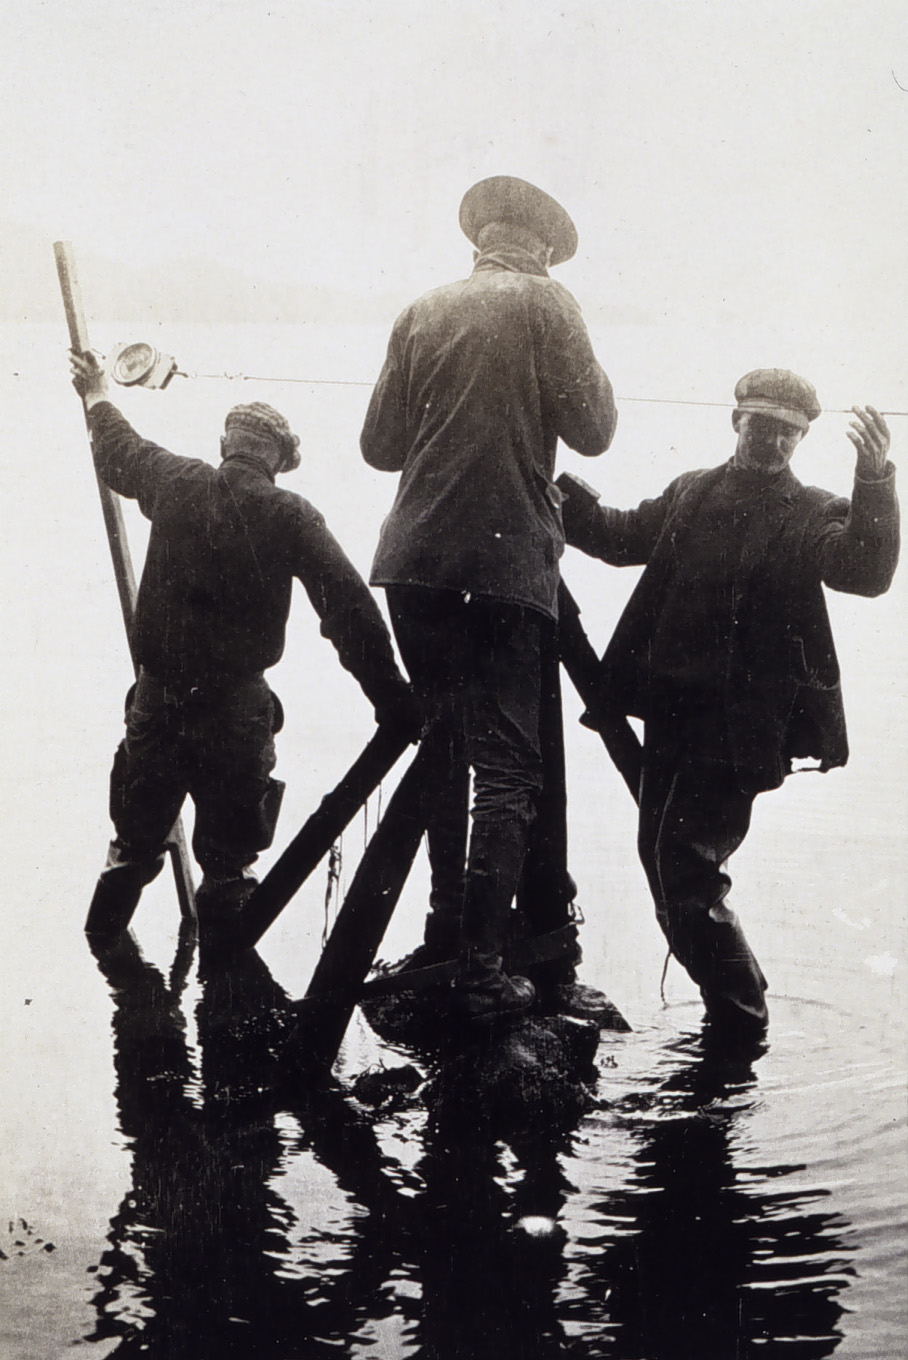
725	650
224	547
481	379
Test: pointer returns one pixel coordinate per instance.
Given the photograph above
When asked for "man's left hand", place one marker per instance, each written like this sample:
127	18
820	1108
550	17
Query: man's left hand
870	436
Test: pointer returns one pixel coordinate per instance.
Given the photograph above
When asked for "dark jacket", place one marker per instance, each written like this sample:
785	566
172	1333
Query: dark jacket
777	684
224	546
481	379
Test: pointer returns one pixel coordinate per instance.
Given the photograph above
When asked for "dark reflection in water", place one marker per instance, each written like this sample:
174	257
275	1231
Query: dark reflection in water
466	1250
708	1261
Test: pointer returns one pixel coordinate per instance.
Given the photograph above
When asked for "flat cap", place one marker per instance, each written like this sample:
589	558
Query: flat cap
264	422
505	199
780	393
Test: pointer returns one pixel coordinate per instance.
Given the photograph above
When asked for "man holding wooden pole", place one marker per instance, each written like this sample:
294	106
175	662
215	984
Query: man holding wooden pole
224	547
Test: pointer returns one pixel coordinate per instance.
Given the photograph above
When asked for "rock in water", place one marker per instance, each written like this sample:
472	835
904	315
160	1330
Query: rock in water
528	1076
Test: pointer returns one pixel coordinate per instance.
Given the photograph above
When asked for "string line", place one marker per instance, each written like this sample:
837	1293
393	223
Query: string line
354	382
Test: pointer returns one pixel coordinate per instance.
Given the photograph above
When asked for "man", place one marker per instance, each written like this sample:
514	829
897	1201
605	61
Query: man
725	651
224	547
481	379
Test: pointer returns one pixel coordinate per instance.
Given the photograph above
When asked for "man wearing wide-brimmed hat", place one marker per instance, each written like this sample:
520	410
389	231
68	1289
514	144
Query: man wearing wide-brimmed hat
481	379
224	547
726	652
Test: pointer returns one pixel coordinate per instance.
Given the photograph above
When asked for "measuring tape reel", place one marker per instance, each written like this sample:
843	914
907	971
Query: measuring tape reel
141	365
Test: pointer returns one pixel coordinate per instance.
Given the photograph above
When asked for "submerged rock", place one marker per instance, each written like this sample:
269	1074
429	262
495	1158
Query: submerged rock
534	1074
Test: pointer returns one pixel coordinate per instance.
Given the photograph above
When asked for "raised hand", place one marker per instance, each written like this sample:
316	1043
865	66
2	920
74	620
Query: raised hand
870	436
89	378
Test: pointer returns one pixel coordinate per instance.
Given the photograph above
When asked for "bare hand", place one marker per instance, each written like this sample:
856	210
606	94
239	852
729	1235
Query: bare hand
871	439
89	378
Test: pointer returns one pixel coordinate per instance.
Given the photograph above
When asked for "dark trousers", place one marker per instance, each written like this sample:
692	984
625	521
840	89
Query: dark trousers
218	748
693	816
476	665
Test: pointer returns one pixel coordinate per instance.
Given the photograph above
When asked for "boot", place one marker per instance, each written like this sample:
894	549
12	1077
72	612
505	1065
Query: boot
712	946
119	888
483	991
581	1002
441	936
219	903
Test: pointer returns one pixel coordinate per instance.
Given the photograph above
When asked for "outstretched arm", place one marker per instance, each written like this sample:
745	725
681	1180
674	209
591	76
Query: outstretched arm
859	554
623	538
352	621
127	463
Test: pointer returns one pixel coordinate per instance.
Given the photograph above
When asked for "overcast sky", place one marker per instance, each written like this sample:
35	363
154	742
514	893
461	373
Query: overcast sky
719	158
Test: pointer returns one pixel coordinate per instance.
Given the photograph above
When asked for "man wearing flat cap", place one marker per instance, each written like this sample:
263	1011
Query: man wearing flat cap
726	653
482	378
224	547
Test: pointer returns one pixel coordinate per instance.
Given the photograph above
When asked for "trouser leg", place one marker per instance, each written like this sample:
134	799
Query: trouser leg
147	788
428	629
236	800
501	728
447	834
476	665
547	890
693	816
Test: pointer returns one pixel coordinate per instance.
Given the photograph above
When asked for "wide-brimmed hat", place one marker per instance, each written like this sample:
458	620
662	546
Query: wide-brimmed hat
264	422
780	393
502	198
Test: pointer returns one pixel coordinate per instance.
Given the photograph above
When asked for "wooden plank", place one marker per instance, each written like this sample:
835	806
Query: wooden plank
584	668
368	907
114	523
336	810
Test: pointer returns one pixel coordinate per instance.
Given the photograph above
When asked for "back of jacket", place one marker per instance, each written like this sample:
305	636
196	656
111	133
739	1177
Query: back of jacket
216	588
481	379
224	546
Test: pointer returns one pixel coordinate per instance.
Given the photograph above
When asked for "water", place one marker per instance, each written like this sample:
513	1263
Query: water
155	1201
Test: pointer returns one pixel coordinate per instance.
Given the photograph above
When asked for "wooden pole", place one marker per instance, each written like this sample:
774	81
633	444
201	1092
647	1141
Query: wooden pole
582	665
119	548
335	812
368	907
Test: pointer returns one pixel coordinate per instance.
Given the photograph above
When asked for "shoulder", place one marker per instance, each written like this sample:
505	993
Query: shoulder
693	480
430	301
296	512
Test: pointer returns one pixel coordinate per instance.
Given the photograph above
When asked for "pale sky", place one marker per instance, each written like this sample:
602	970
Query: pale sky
720	159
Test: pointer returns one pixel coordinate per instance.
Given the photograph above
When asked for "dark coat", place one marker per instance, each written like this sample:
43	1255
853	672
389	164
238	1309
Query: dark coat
224	547
779	682
481	379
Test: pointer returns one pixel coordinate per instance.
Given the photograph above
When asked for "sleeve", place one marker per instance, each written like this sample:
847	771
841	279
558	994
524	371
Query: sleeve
577	395
858	543
350	617
127	463
383	441
623	538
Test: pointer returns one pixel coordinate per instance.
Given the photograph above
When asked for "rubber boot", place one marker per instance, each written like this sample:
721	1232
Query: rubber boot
711	945
219	903
483	990
119	889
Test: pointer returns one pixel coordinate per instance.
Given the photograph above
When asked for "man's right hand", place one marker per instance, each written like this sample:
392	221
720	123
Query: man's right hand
89	378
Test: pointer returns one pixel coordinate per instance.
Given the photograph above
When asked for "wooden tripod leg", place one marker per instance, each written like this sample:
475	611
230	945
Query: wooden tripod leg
582	665
336	810
367	910
119	549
